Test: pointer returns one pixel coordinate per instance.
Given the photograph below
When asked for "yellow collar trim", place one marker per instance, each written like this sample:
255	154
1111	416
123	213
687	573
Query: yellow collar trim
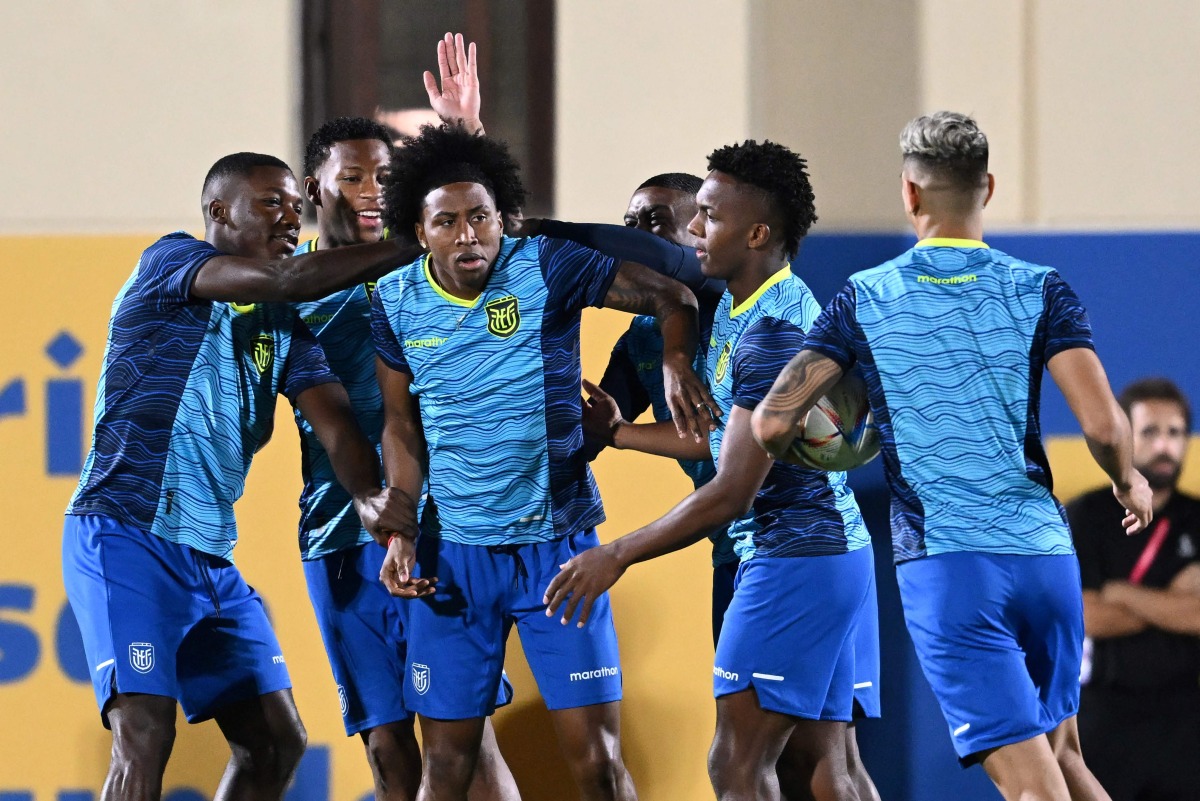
467	304
313	247
950	242
746	304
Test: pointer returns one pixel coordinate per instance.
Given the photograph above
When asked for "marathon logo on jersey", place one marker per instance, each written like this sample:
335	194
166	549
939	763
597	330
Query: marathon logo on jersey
503	316
262	351
420	678
723	363
343	701
141	656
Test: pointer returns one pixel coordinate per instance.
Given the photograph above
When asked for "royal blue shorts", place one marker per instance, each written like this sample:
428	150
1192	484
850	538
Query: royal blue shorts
363	627
457	636
165	619
791	630
1000	639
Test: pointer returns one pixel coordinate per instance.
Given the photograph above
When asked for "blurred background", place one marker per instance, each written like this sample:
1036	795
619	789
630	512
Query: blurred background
112	112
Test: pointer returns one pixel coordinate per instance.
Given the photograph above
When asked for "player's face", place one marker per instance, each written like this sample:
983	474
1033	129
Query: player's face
1160	441
263	215
461	229
348	191
664	213
724	221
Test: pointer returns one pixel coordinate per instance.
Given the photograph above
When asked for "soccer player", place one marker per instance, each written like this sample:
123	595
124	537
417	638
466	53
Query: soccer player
483	334
785	659
362	625
952	338
197	351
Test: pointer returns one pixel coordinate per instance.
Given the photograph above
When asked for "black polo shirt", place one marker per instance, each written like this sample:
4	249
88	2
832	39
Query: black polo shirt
1153	659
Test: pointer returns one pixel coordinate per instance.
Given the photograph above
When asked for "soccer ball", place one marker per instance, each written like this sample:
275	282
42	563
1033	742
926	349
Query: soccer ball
839	433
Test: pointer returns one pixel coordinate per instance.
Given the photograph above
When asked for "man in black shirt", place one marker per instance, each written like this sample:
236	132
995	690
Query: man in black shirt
1139	715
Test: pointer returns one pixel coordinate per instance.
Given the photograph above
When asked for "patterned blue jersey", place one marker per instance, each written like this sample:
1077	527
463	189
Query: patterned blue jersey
643	345
952	338
341	322
497	379
186	396
798	511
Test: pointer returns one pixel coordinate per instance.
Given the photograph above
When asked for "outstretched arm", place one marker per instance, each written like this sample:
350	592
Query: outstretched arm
741	471
604	422
1081	378
807	377
639	290
309	277
457	99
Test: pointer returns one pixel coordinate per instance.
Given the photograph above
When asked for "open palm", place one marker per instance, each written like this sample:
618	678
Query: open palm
454	95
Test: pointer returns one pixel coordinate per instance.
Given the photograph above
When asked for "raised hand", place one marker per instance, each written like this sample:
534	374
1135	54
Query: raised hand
457	98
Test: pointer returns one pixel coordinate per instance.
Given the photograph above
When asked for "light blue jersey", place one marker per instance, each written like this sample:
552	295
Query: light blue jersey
186	396
952	338
341	322
797	511
497	379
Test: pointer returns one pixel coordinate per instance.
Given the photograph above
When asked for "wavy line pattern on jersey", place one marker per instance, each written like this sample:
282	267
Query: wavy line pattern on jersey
956	363
501	415
341	322
182	407
797	512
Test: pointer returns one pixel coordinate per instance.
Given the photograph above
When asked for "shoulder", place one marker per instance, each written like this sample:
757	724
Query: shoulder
882	274
178	244
393	285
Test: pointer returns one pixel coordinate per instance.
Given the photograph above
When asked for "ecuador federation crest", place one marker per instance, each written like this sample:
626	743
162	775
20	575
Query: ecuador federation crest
420	678
262	351
503	316
723	362
141	656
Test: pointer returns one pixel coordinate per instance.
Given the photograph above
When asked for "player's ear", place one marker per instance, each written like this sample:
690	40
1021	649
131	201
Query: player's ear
312	190
991	189
760	234
910	193
217	212
419	232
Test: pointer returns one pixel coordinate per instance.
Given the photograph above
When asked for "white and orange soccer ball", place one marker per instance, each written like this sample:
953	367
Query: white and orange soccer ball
839	432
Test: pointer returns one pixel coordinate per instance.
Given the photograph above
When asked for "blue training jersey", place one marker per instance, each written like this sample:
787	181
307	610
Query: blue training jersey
798	511
952	338
341	322
186	396
643	345
497	379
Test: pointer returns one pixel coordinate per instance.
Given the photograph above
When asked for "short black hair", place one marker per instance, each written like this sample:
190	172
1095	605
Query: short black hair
1156	388
781	175
679	181
342	129
239	164
448	154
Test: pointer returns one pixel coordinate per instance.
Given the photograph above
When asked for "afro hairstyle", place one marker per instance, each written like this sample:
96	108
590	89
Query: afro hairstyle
449	154
781	175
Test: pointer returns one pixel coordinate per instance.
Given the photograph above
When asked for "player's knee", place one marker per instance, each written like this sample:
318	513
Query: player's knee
599	766
275	757
448	768
393	754
142	741
730	771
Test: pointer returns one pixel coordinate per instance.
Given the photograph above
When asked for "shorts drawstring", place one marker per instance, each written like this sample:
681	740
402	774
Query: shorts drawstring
515	552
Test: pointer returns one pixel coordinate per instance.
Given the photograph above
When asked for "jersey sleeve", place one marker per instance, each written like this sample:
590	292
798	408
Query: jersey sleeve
576	276
387	345
833	334
1087	543
1067	324
306	363
759	357
168	268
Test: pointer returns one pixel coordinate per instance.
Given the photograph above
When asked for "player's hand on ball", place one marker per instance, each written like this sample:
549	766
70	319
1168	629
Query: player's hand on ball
601	415
1138	500
396	573
692	407
580	582
387	512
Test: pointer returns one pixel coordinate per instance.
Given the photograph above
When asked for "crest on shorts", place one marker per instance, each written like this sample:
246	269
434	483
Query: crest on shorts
420	678
141	656
262	350
503	316
343	702
723	363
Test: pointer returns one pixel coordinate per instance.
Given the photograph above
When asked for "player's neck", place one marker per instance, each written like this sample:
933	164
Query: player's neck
752	276
949	228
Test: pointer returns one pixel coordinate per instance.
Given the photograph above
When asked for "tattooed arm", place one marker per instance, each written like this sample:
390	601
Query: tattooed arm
639	290
807	377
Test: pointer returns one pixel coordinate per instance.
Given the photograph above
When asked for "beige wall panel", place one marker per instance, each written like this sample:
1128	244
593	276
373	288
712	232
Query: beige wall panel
973	60
1117	113
837	81
118	109
643	88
